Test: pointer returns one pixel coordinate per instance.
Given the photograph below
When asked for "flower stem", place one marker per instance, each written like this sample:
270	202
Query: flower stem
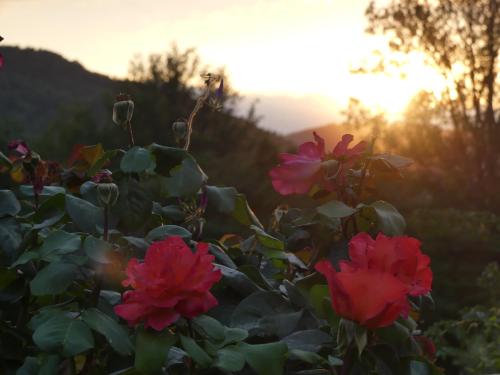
199	104
98	277
130	134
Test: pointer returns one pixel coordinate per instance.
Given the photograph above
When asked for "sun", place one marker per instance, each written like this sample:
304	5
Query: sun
391	92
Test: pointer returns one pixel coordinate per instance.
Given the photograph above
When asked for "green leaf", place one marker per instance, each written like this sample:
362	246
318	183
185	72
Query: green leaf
9	205
50	212
137	242
237	280
395	334
97	249
84	214
395	160
334	361
265	359
390	221
59	242
165	231
220	256
311	340
47	191
223	199
265	313
185	179
60	331
229	359
167	157
31	366
244	214
10	238
25	258
305	356
115	334
151	350
134	205
49	365
137	160
267	240
195	352
53	279
335	210
208	326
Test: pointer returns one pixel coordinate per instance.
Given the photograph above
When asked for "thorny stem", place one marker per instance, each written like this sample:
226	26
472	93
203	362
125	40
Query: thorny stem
199	105
130	134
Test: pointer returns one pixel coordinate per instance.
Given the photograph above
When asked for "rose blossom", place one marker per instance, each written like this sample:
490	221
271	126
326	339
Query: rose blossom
399	256
172	281
372	287
296	174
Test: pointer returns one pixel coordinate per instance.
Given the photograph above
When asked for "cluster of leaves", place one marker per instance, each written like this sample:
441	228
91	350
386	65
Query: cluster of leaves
65	249
471	343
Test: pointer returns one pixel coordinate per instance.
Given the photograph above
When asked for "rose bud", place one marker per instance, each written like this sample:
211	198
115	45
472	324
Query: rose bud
123	110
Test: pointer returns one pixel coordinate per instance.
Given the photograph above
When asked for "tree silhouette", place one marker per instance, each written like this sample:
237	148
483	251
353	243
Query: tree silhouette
461	40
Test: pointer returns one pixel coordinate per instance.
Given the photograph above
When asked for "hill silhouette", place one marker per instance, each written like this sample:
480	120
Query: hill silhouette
54	103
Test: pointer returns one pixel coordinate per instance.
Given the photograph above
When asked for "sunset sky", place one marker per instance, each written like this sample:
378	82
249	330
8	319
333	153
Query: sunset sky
291	53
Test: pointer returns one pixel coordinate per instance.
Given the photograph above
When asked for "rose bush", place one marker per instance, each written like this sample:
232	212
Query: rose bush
112	235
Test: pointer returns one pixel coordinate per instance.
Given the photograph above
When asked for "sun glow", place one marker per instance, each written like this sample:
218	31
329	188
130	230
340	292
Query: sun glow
293	48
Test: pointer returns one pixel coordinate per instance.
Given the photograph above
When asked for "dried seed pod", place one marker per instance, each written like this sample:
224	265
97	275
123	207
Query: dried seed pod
123	110
107	193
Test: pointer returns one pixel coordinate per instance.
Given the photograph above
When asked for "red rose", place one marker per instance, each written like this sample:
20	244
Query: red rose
172	281
372	287
370	297
297	174
399	256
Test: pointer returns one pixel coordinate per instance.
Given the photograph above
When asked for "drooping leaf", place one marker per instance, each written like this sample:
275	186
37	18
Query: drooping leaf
115	334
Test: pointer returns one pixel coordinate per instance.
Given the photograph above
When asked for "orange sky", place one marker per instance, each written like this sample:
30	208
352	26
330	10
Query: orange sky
291	48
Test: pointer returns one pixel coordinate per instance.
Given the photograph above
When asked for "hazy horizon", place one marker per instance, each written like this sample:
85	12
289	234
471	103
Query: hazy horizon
256	41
